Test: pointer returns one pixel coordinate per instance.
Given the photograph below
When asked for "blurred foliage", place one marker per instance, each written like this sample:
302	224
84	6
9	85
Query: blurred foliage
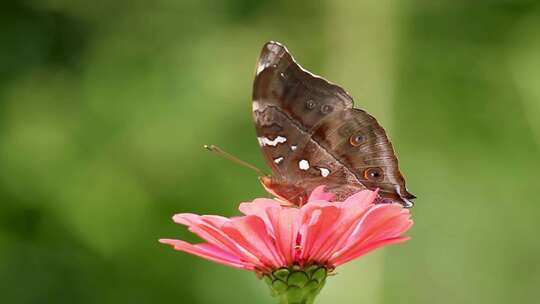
104	107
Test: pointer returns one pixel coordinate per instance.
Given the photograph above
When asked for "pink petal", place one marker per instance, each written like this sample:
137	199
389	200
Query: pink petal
382	221
285	222
270	235
209	228
363	250
251	233
209	252
259	208
188	219
318	194
360	199
351	210
395	227
317	217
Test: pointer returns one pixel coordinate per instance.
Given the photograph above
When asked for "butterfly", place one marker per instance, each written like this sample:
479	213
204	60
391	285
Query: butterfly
310	134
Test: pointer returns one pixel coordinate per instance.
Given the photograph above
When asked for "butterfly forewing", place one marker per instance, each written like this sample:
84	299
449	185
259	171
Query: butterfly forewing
311	135
282	83
279	137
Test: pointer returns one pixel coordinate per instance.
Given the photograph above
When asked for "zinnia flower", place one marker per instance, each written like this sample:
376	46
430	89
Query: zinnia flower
293	248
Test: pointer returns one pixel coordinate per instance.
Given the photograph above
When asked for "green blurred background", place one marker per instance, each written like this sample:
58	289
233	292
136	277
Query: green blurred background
105	105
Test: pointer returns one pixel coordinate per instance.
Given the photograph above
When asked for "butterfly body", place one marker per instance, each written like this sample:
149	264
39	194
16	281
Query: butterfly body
311	134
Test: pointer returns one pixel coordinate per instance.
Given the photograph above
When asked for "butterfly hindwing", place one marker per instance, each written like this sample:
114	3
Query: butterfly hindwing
358	142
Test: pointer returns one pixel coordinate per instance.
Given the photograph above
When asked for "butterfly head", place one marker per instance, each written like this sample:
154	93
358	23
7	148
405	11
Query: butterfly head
287	193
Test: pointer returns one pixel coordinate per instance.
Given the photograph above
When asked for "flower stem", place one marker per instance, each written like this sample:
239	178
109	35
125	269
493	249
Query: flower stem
296	285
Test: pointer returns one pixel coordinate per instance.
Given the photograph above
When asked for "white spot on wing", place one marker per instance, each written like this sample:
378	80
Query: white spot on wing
324	172
278	160
303	164
255	106
260	68
293	147
265	141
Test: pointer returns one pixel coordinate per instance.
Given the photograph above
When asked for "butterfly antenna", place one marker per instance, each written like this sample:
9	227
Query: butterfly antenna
233	158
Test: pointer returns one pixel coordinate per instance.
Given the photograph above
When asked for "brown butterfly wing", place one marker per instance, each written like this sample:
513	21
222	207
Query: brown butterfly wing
358	142
304	126
296	160
304	97
279	138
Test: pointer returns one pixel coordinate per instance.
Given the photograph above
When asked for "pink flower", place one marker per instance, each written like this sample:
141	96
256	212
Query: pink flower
270	236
